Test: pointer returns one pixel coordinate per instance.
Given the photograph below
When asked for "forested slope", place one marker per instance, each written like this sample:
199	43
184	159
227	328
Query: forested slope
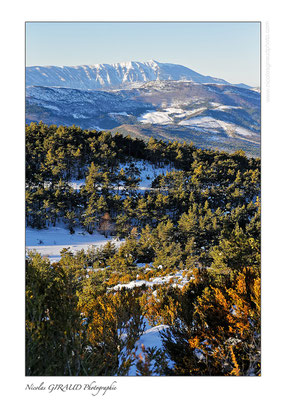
190	260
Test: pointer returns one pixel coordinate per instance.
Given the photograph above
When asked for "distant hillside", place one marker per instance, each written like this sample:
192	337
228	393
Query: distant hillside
213	116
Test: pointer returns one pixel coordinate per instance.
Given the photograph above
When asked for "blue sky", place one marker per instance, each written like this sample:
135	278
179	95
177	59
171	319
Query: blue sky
224	50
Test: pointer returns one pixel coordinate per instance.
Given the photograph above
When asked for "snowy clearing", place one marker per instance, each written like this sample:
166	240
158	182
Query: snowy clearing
207	123
155	117
148	172
202	122
164	117
50	242
175	116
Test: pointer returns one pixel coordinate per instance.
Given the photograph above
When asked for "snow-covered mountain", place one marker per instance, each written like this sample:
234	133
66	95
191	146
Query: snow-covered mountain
100	76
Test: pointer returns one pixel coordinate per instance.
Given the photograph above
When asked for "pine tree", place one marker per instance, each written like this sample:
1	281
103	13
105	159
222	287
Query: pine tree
93	179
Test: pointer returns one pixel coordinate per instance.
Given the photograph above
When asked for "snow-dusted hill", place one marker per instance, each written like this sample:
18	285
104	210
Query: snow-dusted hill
112	75
208	114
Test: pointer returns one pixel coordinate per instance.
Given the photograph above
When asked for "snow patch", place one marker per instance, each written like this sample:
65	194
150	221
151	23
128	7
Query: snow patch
51	107
50	242
77	116
155	117
209	123
150	338
120	113
177	279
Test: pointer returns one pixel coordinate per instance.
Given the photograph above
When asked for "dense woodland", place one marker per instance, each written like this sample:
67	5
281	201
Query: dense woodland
201	218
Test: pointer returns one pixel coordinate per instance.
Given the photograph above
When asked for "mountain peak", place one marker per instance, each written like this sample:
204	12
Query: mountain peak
153	62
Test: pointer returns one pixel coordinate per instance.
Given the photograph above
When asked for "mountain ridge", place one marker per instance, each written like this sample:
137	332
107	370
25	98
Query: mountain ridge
104	76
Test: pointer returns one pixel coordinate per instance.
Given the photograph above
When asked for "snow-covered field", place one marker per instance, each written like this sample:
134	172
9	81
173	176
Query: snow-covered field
168	115
209	123
175	115
50	242
202	122
155	117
